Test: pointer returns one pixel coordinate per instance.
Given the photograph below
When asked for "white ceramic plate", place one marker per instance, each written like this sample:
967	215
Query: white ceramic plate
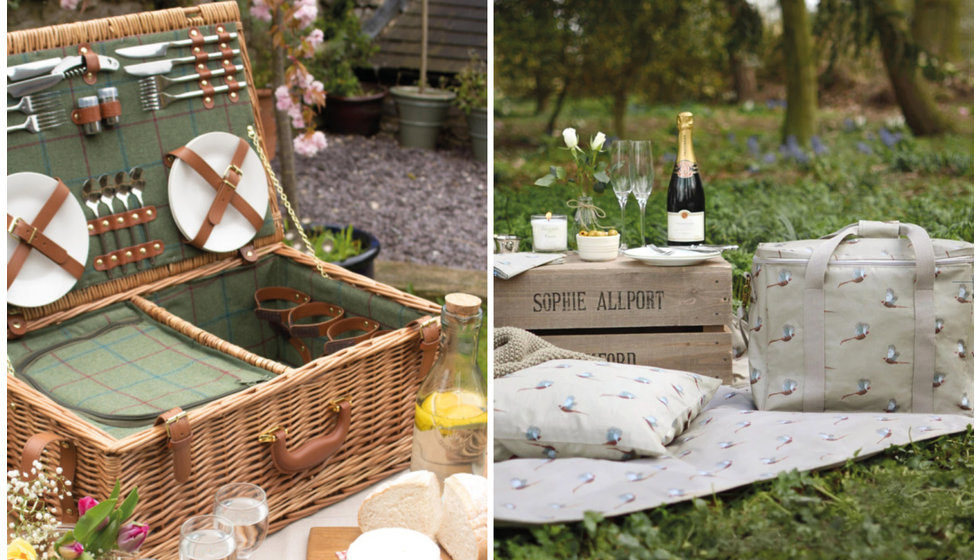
41	281
679	257
191	197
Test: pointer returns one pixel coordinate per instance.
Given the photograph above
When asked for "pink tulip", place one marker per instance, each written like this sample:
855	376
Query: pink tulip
71	551
131	536
85	504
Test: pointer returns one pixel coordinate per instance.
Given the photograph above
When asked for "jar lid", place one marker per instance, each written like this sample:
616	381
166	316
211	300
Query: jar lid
462	304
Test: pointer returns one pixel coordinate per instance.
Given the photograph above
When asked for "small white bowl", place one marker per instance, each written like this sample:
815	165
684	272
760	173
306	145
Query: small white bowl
603	248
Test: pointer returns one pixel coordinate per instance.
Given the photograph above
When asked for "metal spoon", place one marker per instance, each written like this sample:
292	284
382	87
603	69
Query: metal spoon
122	189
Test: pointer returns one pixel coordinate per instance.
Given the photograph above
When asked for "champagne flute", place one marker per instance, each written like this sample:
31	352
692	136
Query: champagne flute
619	173
245	506
641	178
207	537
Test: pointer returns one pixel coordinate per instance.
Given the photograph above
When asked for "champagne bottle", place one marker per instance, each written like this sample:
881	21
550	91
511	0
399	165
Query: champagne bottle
685	195
450	434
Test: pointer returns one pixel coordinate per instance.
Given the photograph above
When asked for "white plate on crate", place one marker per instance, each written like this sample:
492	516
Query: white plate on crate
40	280
191	197
677	257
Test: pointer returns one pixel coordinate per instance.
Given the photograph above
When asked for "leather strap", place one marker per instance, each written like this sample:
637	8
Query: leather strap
208	98
122	220
86	115
429	331
924	360
16	325
92	65
224	185
197	38
110	109
33	449
179	438
312	309
351	324
127	255
279	317
31	236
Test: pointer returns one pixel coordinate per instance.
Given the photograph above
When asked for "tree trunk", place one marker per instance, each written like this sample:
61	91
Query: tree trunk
541	93
743	74
284	128
620	101
919	109
935	27
801	73
550	127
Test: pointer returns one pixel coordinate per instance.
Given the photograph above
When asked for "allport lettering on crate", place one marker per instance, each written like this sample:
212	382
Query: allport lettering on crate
630	300
559	302
617	357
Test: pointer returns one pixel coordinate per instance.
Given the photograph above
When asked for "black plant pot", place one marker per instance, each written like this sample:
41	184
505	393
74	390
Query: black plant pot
359	114
363	263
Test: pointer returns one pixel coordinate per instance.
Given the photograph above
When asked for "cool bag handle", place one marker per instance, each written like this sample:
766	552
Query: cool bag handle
924	361
33	449
312	452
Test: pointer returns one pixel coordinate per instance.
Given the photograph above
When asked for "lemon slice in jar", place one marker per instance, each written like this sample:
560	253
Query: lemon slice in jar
450	410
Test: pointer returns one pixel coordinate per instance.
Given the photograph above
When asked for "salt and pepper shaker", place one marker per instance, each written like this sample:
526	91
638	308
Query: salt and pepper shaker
109	102
95	126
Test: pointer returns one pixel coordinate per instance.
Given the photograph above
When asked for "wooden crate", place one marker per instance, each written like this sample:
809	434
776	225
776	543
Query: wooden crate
628	312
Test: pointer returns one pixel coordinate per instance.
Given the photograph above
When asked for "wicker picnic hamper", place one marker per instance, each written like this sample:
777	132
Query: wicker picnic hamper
196	307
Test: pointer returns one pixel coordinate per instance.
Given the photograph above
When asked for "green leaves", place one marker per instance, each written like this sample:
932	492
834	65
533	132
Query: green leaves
88	523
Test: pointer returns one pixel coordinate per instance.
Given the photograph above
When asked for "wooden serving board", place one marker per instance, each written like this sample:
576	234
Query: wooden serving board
326	542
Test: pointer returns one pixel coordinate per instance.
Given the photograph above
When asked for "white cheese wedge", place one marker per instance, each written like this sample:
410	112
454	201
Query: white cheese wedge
393	543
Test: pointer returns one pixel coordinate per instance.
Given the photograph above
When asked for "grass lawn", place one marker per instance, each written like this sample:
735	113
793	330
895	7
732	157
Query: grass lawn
909	502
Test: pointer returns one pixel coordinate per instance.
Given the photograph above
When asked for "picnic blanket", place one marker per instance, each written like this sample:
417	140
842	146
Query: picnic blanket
729	444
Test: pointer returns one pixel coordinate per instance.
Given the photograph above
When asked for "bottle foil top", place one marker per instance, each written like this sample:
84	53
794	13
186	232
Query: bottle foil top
685	120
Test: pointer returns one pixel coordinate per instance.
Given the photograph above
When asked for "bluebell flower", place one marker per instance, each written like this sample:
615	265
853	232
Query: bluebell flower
864	148
819	147
769	158
791	143
887	138
731	137
849	125
753	144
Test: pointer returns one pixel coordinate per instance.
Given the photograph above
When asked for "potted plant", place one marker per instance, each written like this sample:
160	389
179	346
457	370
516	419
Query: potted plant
421	109
471	98
595	242
352	107
349	247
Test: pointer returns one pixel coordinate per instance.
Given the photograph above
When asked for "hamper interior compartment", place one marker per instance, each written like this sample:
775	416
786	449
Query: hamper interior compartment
224	305
119	368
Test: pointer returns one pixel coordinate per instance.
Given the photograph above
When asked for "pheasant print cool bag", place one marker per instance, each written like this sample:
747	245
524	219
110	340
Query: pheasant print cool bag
875	317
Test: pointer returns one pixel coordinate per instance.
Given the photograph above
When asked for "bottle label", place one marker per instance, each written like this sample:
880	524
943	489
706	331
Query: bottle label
685	226
685	169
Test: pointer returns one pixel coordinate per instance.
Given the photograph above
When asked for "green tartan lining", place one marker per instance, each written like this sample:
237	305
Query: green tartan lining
120	369
224	305
141	140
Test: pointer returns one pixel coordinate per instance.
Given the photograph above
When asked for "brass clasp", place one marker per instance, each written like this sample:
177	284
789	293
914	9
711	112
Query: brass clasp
269	435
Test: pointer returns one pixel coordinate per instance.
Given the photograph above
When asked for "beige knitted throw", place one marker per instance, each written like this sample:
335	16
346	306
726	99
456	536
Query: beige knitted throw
516	349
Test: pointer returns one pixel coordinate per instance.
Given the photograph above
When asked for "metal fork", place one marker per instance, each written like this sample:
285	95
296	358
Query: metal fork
155	102
41	121
155	84
30	105
656	249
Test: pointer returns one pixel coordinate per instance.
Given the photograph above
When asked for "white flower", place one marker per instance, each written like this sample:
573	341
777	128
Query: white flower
597	141
571	138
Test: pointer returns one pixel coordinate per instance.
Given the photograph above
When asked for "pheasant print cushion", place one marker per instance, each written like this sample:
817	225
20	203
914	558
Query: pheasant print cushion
577	408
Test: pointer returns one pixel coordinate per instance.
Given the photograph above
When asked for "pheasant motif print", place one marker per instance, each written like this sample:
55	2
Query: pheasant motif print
885	433
939	325
863	386
789	387
785	277
892	406
758	325
585	478
788	333
938	380
625	395
569	406
533	433
857	276
891	300
963	295
891	356
965	402
755	376
960	349
861	331
541	385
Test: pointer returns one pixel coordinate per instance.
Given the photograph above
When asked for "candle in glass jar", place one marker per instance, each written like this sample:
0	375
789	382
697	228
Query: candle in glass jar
550	233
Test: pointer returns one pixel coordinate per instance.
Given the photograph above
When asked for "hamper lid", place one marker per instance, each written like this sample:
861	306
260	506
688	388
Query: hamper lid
864	248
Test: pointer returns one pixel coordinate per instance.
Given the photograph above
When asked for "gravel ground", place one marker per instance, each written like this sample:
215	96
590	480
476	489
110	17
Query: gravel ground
426	207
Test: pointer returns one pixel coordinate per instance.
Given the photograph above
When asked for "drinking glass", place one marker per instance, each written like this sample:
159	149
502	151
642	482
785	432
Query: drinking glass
641	178
619	174
207	537
245	506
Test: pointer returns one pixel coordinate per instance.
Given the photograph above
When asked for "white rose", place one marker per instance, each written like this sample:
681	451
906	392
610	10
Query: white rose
571	137
597	141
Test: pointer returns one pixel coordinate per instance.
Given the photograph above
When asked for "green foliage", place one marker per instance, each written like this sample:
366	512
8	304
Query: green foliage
336	246
914	501
470	85
345	48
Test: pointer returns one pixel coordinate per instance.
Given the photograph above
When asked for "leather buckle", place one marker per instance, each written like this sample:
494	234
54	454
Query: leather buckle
231	167
173	420
13	226
269	436
426	323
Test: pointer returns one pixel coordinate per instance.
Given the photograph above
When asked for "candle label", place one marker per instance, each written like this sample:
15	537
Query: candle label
621	300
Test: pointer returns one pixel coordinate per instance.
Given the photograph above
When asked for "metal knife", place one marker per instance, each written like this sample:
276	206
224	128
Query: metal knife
711	248
165	66
68	67
31	69
160	49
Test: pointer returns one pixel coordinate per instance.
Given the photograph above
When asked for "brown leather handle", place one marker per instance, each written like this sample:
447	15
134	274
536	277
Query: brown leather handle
36	445
314	451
